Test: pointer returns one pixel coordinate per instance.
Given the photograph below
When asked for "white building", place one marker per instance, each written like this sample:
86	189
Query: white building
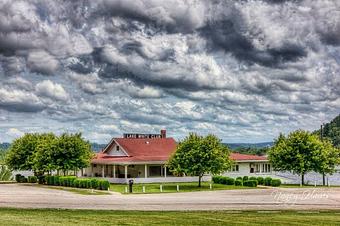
143	157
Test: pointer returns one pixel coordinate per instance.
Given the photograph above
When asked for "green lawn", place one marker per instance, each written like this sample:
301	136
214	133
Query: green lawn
110	217
172	187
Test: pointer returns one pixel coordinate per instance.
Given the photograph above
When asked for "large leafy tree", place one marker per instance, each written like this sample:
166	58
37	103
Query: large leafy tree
197	155
326	158
301	152
20	155
45	152
73	152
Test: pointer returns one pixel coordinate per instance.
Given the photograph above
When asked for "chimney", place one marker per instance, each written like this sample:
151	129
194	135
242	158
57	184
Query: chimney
163	133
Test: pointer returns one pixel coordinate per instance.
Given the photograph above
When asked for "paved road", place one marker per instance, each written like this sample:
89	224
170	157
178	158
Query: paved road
15	195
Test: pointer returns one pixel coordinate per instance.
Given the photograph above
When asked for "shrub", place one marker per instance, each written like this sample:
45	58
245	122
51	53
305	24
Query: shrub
230	181
260	180
250	183
94	184
17	177
76	183
245	178
49	180
88	183
252	178
238	182
20	178
267	181
239	178
41	179
217	179
275	182
104	185
56	181
223	180
32	179
67	181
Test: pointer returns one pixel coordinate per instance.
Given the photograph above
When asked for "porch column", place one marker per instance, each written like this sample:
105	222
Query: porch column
103	171
126	169
114	171
260	167
91	170
165	171
146	171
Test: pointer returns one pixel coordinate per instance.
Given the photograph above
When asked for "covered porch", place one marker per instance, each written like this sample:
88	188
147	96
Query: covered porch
140	173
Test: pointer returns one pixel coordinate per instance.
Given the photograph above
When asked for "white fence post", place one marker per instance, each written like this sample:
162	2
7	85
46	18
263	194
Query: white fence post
143	189
126	189
210	186
161	188
177	187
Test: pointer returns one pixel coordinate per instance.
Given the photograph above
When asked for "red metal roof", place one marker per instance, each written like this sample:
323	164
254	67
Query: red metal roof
147	150
139	150
244	157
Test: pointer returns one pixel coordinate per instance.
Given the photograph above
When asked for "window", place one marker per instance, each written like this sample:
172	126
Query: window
117	148
235	168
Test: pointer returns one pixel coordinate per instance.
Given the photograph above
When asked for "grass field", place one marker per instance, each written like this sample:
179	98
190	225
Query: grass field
172	187
105	217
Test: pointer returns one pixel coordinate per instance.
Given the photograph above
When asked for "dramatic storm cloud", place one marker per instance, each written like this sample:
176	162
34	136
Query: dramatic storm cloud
243	70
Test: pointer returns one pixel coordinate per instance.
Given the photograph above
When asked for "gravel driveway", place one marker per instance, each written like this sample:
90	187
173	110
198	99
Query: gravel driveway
18	195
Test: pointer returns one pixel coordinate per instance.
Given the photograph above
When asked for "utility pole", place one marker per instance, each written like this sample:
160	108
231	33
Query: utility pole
321	138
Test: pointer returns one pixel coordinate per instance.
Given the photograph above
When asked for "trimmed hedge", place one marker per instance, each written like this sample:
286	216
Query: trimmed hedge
250	183
217	179
20	178
72	181
268	181
252	178
32	179
260	180
275	182
245	178
239	178
238	182
223	180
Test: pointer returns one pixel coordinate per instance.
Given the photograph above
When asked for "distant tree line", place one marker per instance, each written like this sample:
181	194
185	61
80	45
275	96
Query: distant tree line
46	152
252	150
331	131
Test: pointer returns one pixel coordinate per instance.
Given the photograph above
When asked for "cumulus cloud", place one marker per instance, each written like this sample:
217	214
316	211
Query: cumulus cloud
18	100
247	68
42	62
52	90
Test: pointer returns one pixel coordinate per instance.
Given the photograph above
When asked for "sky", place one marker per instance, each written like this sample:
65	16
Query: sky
242	70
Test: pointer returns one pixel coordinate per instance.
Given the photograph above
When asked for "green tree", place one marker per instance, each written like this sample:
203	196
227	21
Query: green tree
20	155
326	158
301	152
45	152
197	155
74	152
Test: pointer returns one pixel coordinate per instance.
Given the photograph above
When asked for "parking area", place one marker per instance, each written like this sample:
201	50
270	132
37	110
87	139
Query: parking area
21	196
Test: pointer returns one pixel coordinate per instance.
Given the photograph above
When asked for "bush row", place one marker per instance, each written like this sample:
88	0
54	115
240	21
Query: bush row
66	181
243	181
72	181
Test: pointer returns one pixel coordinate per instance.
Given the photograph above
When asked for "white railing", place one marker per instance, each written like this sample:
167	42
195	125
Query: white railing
155	179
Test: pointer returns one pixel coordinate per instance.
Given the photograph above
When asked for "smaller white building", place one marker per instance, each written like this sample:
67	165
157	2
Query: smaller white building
249	165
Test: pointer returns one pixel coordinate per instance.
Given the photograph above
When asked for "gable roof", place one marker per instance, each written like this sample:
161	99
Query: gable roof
244	157
139	150
152	150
